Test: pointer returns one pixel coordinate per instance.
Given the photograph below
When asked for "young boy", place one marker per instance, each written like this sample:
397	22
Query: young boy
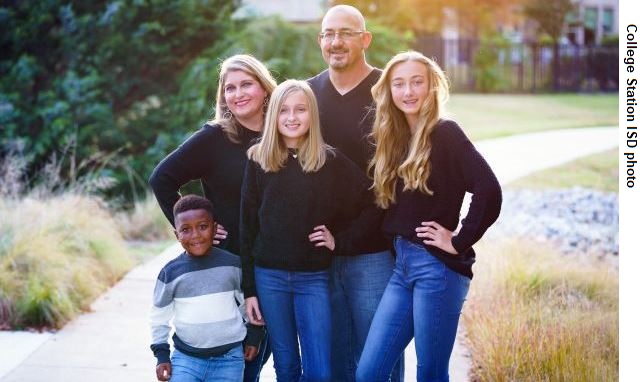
200	290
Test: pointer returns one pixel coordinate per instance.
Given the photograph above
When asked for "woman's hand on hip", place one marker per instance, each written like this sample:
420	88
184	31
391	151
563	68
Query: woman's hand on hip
322	237
436	235
221	234
253	311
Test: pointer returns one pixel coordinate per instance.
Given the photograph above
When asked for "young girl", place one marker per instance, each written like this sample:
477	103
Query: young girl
297	192
423	165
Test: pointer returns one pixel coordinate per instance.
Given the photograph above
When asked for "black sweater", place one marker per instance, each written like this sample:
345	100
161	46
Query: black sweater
280	209
346	119
456	168
209	156
346	122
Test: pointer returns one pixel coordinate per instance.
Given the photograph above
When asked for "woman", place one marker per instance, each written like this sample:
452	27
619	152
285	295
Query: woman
422	167
296	196
216	155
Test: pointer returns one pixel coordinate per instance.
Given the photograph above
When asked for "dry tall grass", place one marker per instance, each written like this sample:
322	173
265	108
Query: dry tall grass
145	222
536	315
59	246
56	256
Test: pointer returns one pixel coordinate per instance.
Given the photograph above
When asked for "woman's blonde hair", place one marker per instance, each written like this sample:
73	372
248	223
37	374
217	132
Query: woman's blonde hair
398	152
271	152
251	66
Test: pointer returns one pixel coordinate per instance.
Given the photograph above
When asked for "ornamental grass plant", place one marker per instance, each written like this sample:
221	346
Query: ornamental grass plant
144	222
59	246
57	255
535	315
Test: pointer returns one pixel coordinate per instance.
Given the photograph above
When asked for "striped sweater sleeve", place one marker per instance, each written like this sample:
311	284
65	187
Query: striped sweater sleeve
160	316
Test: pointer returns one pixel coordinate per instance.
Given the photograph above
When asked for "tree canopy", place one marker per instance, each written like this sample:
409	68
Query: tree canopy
84	78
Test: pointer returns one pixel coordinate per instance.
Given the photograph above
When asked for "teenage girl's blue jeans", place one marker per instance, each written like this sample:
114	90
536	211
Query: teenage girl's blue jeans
357	284
296	305
224	368
423	300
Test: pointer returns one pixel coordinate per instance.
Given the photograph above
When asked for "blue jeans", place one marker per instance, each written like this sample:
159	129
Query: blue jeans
356	284
252	368
296	305
225	368
423	299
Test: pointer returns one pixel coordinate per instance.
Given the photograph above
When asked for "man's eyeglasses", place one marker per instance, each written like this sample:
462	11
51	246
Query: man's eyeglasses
345	35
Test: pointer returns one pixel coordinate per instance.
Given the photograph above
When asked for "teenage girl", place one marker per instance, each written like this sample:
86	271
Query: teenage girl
423	166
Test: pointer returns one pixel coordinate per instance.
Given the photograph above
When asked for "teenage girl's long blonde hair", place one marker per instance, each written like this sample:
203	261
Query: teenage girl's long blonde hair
271	152
251	66
399	154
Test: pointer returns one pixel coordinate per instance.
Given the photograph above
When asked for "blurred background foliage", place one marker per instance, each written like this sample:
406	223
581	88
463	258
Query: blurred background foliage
108	88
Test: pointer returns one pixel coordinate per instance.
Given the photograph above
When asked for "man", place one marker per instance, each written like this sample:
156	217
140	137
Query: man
344	99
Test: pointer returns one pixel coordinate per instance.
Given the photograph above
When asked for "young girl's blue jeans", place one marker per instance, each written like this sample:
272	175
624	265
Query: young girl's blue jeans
227	367
296	305
423	299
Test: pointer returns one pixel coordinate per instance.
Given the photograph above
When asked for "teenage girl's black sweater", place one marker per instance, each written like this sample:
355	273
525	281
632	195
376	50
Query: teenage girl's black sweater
280	209
456	167
346	121
209	156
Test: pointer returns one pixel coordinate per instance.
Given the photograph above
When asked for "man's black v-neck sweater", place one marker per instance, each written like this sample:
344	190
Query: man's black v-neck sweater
209	156
280	209
346	121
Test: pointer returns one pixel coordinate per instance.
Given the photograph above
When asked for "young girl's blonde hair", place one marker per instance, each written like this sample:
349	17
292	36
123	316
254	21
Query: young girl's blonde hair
251	66
271	152
398	152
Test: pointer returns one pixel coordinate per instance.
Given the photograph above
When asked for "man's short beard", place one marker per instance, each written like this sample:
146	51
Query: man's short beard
338	66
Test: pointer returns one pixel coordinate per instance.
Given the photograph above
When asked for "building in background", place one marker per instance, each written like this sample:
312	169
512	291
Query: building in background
592	21
295	11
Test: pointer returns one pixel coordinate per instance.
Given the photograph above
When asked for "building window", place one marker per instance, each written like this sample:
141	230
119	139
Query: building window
607	21
572	18
591	18
590	25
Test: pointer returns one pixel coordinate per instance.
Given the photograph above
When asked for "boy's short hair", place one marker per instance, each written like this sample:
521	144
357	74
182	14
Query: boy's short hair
193	202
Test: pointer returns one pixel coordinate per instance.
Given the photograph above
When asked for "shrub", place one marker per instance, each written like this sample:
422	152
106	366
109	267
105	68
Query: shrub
488	70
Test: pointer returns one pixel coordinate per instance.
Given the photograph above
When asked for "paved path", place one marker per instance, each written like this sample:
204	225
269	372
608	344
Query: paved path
111	342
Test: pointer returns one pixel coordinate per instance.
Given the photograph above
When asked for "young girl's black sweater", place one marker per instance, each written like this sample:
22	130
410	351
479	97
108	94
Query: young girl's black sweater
280	209
456	167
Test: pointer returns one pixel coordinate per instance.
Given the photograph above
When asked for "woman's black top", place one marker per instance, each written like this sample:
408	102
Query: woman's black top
209	156
456	167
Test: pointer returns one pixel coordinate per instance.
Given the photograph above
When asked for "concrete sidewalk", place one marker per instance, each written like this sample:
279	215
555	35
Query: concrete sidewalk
112	341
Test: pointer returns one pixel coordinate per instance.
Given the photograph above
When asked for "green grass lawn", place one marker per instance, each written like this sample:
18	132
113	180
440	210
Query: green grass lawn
485	116
597	171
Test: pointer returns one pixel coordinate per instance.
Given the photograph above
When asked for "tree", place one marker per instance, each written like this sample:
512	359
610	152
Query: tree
474	17
100	76
550	15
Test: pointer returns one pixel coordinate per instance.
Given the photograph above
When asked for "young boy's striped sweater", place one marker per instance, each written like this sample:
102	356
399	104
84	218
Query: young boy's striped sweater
202	294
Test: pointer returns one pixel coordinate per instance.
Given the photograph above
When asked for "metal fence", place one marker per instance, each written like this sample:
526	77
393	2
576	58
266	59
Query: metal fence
472	65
